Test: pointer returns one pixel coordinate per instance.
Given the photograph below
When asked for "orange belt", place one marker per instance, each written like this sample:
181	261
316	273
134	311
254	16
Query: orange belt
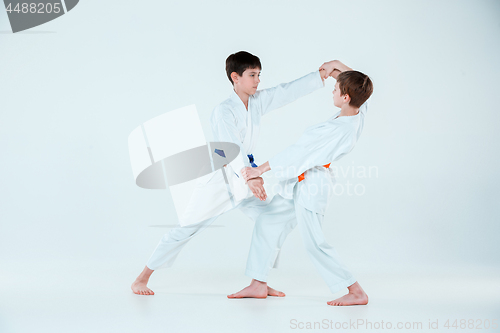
301	177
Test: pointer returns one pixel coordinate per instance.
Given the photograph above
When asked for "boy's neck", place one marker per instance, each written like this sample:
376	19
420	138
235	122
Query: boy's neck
243	96
347	110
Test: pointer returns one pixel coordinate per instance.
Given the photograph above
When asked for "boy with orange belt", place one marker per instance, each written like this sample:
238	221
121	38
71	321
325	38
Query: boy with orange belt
306	180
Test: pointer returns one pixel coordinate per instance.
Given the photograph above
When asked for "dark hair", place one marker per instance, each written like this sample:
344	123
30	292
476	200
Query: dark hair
240	62
357	85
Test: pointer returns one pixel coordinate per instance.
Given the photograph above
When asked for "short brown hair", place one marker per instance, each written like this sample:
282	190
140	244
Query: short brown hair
240	62
357	85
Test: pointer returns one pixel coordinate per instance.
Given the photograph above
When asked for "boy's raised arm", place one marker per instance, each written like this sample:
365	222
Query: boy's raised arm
305	154
276	97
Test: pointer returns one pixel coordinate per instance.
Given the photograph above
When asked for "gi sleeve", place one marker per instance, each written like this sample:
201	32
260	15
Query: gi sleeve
314	148
276	97
224	130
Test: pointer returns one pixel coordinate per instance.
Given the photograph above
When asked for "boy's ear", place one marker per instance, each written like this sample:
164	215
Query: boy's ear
347	98
234	77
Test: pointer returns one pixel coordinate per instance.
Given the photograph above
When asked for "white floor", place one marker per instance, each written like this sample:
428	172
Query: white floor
85	298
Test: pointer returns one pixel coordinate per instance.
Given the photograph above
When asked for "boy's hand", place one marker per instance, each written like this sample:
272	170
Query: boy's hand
249	173
335	73
327	68
334	68
257	188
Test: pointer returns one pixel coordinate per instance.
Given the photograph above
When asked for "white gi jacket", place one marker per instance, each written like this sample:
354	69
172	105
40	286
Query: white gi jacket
231	122
319	145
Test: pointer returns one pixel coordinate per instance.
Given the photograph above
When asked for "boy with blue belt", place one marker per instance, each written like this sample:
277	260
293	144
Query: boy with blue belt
237	120
306	180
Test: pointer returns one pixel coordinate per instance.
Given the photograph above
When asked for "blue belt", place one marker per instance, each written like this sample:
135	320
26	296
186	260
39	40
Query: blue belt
250	157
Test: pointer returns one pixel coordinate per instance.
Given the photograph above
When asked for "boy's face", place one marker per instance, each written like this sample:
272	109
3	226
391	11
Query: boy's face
338	100
248	81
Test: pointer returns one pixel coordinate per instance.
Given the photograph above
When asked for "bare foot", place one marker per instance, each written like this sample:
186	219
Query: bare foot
141	288
356	296
140	285
272	292
256	289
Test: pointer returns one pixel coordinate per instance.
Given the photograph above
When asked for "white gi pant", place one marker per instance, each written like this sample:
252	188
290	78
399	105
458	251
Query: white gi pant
172	242
270	231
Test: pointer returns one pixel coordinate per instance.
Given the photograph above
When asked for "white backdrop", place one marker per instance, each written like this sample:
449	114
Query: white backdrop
73	89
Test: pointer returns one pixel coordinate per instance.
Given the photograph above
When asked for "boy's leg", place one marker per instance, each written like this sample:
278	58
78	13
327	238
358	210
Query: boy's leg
166	251
172	243
271	228
269	233
326	258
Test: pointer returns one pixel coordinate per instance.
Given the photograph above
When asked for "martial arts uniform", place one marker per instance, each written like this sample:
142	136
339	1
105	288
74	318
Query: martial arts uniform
318	146
231	122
